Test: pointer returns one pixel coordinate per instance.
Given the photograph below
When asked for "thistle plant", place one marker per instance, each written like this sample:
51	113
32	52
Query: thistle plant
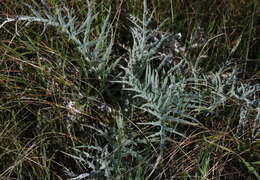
109	160
224	85
162	91
246	94
95	51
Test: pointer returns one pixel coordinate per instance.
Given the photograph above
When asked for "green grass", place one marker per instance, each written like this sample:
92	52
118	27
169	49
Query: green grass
99	90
